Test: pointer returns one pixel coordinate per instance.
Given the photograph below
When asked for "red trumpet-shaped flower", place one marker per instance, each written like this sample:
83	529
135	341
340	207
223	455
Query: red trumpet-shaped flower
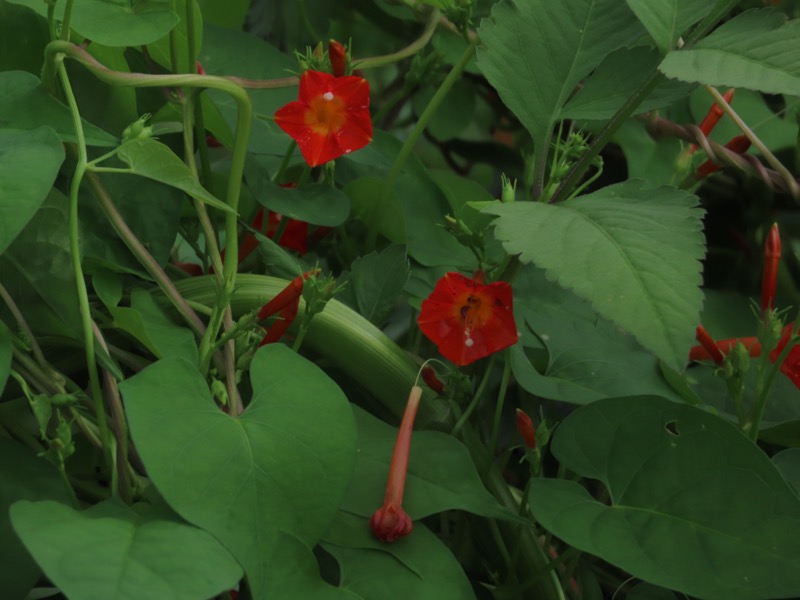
330	117
390	521
468	320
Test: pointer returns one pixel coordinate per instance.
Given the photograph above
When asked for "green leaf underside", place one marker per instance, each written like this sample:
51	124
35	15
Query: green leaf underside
25	104
633	252
29	163
756	50
110	553
441	475
536	51
667	20
25	476
114	23
282	465
589	357
683	485
154	160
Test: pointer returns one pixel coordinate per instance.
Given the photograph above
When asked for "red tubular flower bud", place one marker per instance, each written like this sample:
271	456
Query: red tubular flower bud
713	116
772	256
709	344
288	295
338	57
390	521
739	145
429	377
526	429
698	353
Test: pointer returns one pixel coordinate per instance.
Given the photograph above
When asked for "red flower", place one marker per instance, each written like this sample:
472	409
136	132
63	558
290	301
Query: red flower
468	320
390	521
330	117
294	236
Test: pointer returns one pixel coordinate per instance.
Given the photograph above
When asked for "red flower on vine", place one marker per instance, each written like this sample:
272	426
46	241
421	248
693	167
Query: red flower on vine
330	117
467	319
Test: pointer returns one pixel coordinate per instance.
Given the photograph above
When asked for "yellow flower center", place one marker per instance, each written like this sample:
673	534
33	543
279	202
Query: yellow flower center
326	114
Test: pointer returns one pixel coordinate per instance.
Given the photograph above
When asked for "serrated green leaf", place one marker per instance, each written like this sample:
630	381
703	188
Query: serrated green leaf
25	104
114	23
154	160
667	20
535	52
375	282
441	475
25	477
694	505
29	163
588	356
111	553
633	252
756	50
282	465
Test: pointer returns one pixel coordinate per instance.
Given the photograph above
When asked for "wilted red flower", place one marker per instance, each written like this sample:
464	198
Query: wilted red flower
330	117
468	320
390	521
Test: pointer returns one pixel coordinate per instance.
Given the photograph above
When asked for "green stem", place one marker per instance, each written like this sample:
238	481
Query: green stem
26	330
173	40
580	167
498	410
761	400
287	158
410	50
408	146
77	268
475	399
66	21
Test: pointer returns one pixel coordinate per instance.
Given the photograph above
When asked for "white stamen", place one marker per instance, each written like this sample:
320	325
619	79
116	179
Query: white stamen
328	96
469	342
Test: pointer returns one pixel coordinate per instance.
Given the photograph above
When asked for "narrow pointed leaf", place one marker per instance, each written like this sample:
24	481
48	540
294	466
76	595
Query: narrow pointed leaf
152	159
756	50
633	252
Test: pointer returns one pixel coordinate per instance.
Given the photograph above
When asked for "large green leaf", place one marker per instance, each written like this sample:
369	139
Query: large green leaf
25	104
375	282
694	505
146	322
633	252
36	270
283	464
25	476
23	37
318	204
616	79
110	553
667	20
29	163
441	475
115	23
756	50
536	51
588	357
154	160
433	573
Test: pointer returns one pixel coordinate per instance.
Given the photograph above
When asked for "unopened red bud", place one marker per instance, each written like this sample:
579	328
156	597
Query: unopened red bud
526	429
739	145
769	279
338	57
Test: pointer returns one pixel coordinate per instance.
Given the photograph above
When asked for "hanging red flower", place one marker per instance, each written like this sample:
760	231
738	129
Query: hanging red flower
330	117
468	320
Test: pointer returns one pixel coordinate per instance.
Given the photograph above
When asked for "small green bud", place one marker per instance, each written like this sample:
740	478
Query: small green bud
138	129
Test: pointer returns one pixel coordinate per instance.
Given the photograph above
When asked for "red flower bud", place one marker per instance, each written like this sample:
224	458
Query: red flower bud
338	57
526	429
390	521
772	256
711	119
429	377
709	344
